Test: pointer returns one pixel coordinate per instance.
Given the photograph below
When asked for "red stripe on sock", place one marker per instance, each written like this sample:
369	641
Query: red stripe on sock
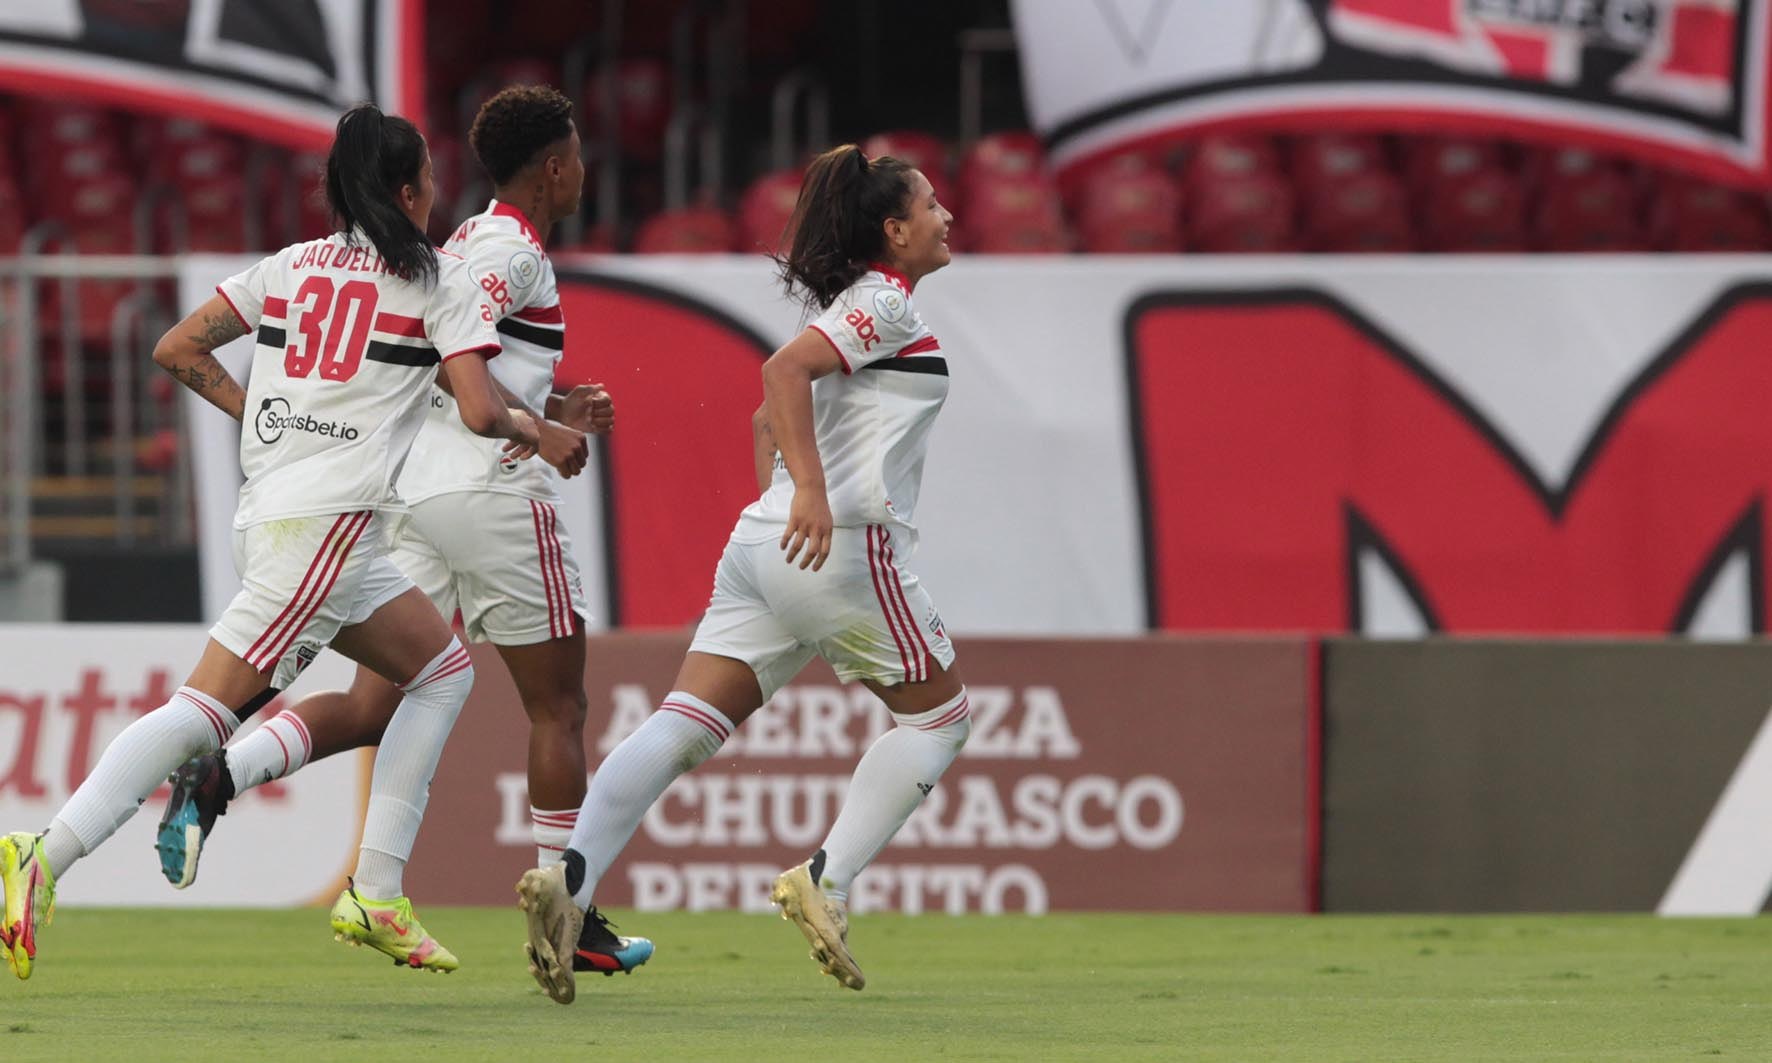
698	716
953	715
301	731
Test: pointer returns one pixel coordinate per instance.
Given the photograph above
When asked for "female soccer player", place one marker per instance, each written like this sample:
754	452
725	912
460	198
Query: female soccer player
351	329
484	534
814	566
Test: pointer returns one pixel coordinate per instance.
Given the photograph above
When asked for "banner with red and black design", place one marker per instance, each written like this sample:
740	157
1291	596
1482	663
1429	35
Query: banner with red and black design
1386	446
280	70
1679	82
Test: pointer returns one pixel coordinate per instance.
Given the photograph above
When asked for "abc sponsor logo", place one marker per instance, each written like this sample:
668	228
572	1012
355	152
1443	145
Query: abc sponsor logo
863	324
275	417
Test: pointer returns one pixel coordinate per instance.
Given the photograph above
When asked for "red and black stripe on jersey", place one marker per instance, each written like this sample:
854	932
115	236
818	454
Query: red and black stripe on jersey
406	343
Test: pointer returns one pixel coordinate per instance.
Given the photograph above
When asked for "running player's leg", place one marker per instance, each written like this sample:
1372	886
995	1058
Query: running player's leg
317	726
517	582
549	677
879	628
405	641
277	621
739	657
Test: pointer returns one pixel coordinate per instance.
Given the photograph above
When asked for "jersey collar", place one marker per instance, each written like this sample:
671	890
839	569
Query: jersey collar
903	282
500	207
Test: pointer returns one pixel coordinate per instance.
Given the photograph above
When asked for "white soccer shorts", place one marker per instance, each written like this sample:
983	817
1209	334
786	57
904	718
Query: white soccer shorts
504	560
303	578
862	612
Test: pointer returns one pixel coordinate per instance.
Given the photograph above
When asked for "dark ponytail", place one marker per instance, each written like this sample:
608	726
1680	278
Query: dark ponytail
373	155
845	199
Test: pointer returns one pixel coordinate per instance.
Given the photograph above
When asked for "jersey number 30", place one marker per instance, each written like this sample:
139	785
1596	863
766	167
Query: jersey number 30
323	324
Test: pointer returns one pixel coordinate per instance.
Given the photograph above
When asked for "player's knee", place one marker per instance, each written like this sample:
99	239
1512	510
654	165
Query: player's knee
564	709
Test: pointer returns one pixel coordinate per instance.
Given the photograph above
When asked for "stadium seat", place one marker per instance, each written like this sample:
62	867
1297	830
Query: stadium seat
56	180
13	219
1130	211
1365	211
96	300
1218	158
1248	213
766	208
1689	215
926	152
215	214
1587	210
691	230
1322	158
1014	215
313	217
1434	161
1481	212
642	90
998	155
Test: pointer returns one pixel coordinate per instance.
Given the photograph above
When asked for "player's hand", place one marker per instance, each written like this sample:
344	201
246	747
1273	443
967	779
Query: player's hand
525	436
588	408
566	449
808	534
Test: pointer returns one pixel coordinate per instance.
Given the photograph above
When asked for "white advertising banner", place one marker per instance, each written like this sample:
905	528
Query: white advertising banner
1393	446
1679	82
276	70
65	693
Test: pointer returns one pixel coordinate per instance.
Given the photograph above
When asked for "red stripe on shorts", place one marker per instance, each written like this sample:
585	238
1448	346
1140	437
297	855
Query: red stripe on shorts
897	585
547	584
300	591
885	608
323	585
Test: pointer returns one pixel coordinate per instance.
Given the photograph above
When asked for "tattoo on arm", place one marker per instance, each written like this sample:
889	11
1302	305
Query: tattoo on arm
216	330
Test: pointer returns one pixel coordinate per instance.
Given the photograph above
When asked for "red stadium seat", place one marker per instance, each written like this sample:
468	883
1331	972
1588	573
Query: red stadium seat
1366	211
1249	213
765	210
642	91
1000	155
1014	215
105	201
1483	212
215	214
13	221
56	180
691	230
926	152
1130	211
96	300
1327	157
1689	215
313	216
1433	161
1221	158
1592	210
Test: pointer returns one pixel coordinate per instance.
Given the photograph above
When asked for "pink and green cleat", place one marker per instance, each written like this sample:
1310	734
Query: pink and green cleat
389	927
30	898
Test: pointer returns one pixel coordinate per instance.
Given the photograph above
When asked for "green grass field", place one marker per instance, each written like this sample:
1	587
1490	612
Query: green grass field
121	986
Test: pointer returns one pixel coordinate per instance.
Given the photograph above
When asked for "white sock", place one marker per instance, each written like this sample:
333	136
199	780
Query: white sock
683	732
133	765
894	775
552	832
404	765
279	747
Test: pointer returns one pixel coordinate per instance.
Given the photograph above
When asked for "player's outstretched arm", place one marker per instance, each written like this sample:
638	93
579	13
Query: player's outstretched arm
186	352
787	391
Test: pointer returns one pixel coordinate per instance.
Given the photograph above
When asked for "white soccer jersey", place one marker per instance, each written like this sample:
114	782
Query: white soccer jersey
345	358
872	420
505	257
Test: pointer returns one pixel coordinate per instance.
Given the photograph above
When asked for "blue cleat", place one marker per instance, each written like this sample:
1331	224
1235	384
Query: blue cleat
201	789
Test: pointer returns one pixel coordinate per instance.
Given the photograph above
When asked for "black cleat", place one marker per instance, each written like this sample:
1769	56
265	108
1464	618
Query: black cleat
599	949
201	790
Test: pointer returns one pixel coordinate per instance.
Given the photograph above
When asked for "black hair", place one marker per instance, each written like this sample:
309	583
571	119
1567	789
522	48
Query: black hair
845	198
515	125
373	156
